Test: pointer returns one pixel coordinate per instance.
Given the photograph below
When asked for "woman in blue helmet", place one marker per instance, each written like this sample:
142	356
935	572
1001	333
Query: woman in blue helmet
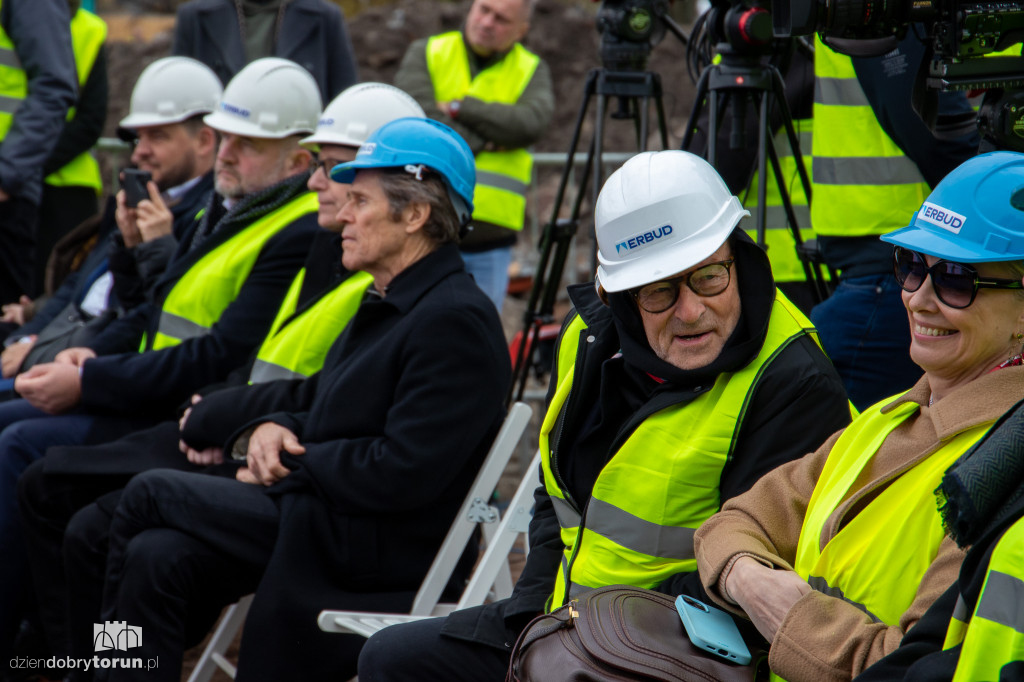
836	556
975	630
347	481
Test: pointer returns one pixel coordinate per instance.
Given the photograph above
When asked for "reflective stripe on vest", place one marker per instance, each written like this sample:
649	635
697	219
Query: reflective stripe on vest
297	349
501	177
877	559
662	483
778	238
88	32
197	300
863	182
995	634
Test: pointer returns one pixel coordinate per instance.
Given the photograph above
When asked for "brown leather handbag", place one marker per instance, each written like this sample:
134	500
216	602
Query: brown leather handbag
620	633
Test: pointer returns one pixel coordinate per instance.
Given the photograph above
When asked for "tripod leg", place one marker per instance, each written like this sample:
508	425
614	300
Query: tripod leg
698	104
552	238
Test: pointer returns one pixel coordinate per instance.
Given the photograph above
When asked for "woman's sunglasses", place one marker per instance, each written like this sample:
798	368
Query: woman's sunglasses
956	284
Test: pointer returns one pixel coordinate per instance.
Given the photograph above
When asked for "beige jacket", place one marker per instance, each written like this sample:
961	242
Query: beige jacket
823	638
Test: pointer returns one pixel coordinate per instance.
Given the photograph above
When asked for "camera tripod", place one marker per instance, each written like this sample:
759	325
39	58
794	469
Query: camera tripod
741	78
635	90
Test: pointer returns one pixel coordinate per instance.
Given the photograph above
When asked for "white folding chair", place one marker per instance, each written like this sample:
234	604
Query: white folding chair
474	510
491	576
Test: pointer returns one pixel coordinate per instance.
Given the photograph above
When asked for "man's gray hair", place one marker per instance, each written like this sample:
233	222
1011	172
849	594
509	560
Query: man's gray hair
402	188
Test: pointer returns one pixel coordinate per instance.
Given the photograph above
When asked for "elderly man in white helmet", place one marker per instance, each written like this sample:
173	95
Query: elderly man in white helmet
171	142
683	359
210	308
56	495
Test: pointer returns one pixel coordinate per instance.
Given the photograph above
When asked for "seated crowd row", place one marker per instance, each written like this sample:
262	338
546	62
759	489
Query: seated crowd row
275	376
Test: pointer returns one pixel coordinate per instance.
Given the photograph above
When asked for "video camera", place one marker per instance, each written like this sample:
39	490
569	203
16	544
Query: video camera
629	31
957	33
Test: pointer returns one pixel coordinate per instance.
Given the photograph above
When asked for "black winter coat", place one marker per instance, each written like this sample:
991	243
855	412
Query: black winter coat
799	402
154	383
311	33
395	428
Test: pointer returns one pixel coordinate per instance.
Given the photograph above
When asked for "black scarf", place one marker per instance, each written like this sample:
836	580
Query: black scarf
987	482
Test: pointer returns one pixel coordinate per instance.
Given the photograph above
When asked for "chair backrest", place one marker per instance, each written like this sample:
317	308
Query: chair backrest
474	510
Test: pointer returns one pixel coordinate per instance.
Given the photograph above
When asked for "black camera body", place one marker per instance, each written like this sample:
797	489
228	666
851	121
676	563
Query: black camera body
956	34
629	31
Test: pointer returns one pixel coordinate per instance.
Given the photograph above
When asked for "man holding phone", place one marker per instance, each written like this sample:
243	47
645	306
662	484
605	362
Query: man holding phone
681	377
209	309
174	149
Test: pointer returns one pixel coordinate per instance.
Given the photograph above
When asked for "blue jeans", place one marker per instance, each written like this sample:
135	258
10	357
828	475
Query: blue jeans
490	270
864	329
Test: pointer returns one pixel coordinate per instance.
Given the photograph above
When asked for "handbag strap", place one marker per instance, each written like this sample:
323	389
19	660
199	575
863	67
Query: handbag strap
562	617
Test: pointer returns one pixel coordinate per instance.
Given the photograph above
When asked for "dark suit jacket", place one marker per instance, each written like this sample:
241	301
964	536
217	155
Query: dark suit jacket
312	34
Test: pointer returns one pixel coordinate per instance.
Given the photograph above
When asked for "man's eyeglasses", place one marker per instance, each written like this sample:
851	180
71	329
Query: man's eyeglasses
710	280
955	284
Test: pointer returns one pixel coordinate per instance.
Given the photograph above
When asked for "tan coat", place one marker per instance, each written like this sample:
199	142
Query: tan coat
823	638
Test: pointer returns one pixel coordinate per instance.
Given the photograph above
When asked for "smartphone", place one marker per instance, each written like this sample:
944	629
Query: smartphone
133	182
712	629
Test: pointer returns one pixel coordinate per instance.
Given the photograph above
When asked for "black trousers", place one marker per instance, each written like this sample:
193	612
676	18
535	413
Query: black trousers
418	652
182	546
18	220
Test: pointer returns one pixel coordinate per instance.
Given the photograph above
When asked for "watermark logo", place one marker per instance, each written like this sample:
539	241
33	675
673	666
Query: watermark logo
643	239
941	217
115	635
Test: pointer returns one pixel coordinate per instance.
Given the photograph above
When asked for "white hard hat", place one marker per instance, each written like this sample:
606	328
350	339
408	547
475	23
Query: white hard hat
171	90
358	111
659	214
270	98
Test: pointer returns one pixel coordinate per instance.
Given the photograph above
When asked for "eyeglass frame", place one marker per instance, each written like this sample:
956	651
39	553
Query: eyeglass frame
727	264
979	282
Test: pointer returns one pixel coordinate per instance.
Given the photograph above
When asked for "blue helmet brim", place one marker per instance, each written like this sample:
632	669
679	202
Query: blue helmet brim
934	243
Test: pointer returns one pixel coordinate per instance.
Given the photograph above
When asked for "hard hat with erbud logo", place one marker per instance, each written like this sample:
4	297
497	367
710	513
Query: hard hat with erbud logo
974	215
171	90
358	111
659	214
270	98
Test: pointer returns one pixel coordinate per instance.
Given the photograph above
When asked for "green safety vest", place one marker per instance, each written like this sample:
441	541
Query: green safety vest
863	182
297	349
877	559
993	635
778	238
88	32
197	300
663	482
502	177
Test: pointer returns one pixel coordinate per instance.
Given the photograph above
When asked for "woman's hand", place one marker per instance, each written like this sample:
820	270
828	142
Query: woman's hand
765	594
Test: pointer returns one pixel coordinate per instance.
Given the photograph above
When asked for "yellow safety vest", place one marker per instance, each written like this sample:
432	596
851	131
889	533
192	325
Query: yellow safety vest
778	237
878	558
197	300
502	177
297	349
637	528
88	32
863	182
994	634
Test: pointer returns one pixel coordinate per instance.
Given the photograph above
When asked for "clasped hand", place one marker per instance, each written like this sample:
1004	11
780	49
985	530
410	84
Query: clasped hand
263	458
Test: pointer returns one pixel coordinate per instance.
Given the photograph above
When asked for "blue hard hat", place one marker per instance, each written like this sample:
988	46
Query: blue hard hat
974	215
411	142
